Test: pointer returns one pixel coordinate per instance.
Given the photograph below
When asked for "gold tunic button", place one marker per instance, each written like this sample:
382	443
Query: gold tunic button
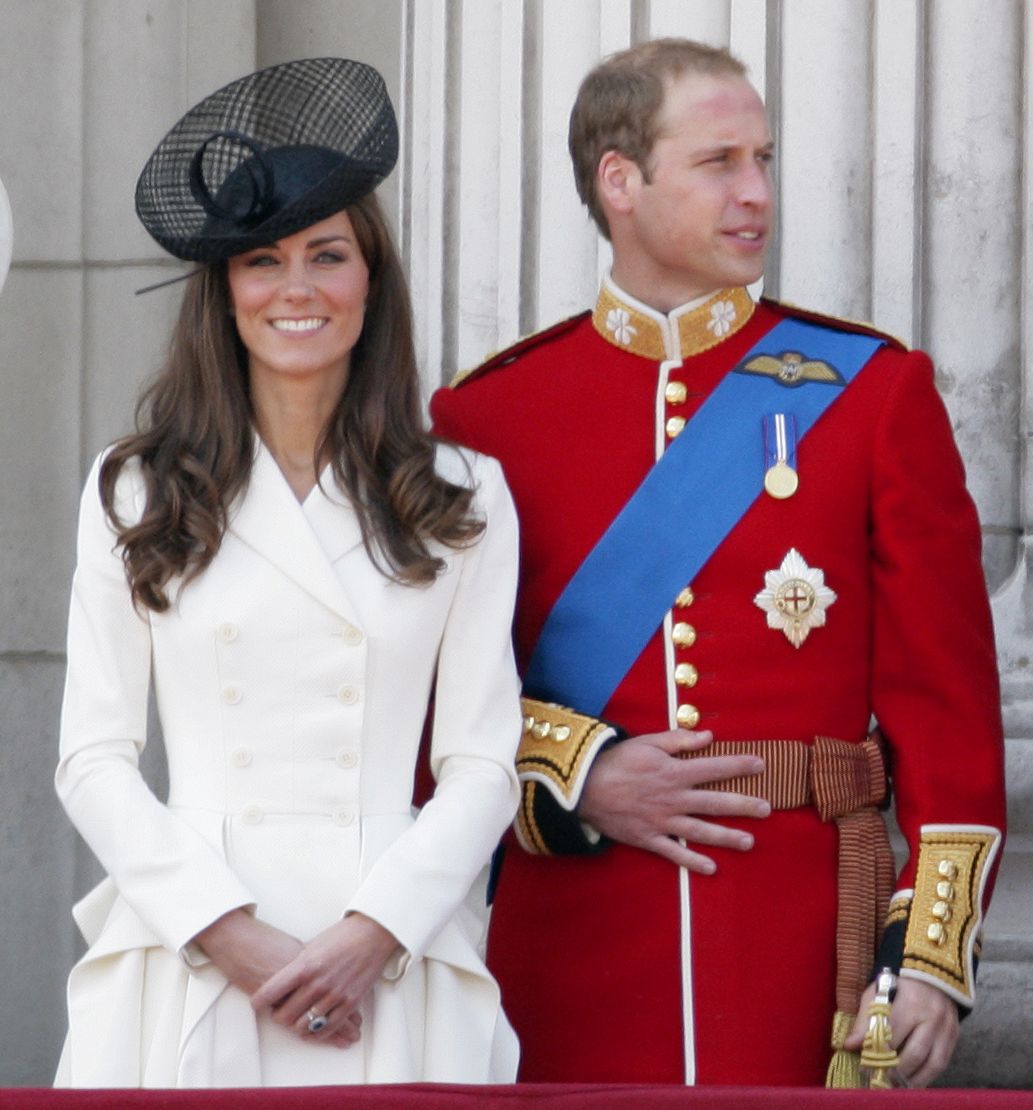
674	426
945	890
687	716
542	729
948	869
561	733
941	911
675	393
684	635
685	674
529	723
936	933
685	598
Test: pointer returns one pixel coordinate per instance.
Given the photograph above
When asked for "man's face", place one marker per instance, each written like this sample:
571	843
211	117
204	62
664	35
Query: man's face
701	222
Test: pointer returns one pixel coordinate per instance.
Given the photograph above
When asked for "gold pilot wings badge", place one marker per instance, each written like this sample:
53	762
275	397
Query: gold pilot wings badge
795	598
791	369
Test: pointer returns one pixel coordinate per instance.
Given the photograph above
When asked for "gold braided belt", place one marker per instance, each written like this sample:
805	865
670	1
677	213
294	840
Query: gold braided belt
845	783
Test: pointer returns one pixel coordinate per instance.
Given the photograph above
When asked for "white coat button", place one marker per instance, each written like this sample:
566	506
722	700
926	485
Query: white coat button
343	816
228	632
231	693
353	635
346	758
240	757
252	814
347	694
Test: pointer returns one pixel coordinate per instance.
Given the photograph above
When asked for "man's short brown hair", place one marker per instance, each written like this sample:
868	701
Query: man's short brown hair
618	106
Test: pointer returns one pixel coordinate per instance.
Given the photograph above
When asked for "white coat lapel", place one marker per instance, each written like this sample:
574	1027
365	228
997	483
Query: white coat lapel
270	520
332	518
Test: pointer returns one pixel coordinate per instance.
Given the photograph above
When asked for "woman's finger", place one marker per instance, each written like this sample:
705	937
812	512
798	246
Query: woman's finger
335	1025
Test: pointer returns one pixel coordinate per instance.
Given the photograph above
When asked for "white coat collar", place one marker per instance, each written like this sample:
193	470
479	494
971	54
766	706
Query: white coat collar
303	541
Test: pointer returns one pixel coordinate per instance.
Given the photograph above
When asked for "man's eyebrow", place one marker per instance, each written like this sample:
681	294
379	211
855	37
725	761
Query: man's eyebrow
724	148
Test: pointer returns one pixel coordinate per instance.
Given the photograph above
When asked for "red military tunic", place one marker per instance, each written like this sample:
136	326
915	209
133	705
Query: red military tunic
621	966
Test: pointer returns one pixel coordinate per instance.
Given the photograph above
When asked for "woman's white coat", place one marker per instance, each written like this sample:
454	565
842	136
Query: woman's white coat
292	680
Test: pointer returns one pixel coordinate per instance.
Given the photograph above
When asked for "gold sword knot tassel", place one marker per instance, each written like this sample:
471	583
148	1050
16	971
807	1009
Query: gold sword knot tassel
879	1060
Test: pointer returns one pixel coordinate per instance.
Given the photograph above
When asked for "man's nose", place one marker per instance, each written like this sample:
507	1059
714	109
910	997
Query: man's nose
754	185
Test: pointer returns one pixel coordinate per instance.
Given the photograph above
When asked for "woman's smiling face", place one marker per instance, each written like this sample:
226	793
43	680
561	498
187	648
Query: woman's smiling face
300	302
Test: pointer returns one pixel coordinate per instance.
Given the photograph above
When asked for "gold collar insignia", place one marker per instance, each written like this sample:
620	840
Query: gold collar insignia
634	327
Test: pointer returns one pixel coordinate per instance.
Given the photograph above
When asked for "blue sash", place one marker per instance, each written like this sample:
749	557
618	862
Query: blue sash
687	504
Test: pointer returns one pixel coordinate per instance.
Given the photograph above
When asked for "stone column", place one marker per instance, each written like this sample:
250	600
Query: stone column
89	89
41	315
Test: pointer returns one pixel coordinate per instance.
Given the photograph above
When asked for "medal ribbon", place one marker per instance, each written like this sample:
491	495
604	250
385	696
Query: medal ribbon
686	505
780	439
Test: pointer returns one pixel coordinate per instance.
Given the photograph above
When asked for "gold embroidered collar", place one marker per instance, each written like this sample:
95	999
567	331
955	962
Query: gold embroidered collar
695	327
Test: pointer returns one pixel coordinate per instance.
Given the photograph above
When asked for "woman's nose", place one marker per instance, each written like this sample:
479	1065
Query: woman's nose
296	281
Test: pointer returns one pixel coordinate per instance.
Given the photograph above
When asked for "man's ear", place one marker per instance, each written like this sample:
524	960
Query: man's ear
617	182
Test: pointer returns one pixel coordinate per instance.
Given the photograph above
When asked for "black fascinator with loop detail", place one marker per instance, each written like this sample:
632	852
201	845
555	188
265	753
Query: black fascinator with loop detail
266	156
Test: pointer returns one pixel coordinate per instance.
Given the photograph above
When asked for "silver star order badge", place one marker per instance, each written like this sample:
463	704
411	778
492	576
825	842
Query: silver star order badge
795	598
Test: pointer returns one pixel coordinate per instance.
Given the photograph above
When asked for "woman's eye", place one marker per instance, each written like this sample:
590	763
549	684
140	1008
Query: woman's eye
330	257
261	260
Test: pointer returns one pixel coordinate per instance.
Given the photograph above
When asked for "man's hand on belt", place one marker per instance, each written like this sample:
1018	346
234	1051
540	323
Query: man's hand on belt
643	792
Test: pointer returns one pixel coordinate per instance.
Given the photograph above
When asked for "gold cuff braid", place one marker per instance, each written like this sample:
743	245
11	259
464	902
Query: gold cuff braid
557	748
946	910
555	753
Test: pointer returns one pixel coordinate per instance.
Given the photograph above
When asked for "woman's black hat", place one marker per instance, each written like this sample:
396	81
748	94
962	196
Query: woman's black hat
266	156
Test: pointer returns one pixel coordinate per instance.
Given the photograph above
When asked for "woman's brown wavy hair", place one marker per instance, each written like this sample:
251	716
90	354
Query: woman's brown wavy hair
195	442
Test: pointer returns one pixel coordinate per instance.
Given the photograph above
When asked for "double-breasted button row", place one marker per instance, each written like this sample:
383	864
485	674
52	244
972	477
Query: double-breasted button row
243	756
347	694
228	633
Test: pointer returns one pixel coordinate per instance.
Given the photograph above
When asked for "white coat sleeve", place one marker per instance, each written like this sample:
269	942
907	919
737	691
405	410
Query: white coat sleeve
171	877
422	878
